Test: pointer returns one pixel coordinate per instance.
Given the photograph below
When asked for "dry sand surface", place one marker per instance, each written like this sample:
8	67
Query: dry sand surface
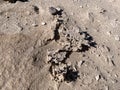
60	45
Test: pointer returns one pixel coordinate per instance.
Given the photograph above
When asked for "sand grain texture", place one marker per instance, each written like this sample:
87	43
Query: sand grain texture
75	45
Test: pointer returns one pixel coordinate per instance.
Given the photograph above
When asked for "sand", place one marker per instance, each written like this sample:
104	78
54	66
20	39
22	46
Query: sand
60	45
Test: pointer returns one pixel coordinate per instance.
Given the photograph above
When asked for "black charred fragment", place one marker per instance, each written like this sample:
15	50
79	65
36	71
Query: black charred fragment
71	75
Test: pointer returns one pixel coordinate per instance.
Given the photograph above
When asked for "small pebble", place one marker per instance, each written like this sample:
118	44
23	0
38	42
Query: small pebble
34	25
112	63
109	33
58	9
117	38
80	63
81	6
97	77
53	10
114	81
36	9
103	11
116	75
98	55
43	23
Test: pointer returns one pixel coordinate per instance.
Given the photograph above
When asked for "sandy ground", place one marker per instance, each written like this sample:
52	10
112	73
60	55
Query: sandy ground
77	48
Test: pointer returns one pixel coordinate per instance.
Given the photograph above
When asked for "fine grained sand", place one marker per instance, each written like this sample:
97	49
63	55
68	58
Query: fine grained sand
41	51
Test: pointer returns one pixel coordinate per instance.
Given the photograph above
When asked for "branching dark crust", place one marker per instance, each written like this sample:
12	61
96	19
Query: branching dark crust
72	39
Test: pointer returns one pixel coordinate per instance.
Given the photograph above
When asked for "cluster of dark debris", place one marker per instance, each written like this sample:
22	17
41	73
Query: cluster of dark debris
60	70
75	40
72	39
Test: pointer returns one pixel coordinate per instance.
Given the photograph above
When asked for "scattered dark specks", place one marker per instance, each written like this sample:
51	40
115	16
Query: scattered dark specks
103	11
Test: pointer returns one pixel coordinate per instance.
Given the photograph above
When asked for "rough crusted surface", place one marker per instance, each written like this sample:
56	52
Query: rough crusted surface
28	31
